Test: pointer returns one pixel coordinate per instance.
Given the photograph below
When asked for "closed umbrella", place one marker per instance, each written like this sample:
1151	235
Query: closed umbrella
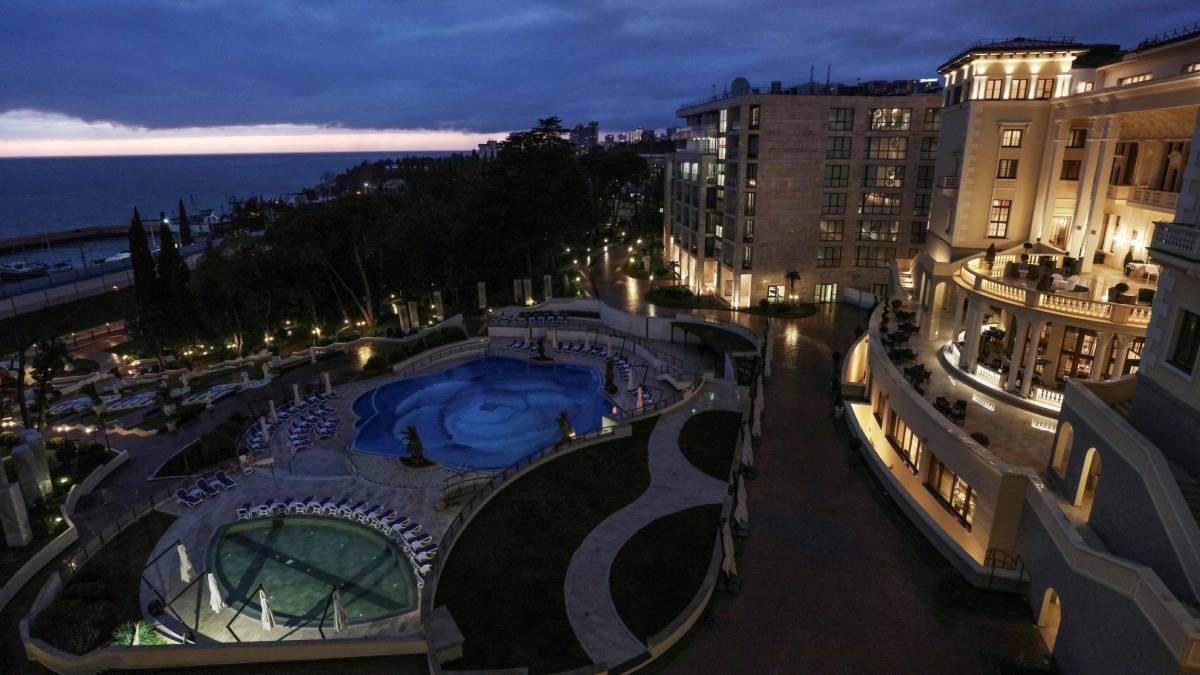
747	448
728	563
339	612
267	616
740	513
760	399
215	601
185	566
609	341
767	362
640	399
756	430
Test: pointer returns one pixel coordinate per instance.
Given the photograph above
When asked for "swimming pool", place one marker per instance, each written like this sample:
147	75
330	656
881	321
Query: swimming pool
298	561
483	414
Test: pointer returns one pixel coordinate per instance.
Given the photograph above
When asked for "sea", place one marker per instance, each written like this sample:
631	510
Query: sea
49	194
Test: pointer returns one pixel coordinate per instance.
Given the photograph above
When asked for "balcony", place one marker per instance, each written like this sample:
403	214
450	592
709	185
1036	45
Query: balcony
1176	239
1090	305
1158	200
949	182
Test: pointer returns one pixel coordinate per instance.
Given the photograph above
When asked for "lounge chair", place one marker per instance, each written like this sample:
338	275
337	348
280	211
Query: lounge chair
419	541
265	508
299	505
319	506
205	488
186	499
351	511
224	480
367	513
425	569
413	533
378	519
334	509
282	506
399	523
427	555
243	512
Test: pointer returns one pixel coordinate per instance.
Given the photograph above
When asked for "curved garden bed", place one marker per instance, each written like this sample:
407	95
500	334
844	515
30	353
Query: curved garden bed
709	439
503	582
660	569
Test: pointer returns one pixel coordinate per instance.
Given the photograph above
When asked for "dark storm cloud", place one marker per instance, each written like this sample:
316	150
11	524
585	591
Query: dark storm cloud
486	65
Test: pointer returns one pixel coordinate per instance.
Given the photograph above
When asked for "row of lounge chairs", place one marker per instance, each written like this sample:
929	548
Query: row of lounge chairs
622	366
204	488
387	521
323	421
254	439
534	317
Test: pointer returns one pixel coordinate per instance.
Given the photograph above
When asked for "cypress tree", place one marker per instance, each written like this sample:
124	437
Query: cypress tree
174	298
185	227
147	323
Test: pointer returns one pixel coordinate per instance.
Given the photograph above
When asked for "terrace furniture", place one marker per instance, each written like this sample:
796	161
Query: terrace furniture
266	508
367	514
428	554
420	541
186	499
412	533
224	480
425	569
319	507
423	544
942	404
380	518
959	412
243	512
351	511
1145	296
205	489
298	505
334	509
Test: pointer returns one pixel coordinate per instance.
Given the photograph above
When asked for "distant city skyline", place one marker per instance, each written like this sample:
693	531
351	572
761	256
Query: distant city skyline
159	78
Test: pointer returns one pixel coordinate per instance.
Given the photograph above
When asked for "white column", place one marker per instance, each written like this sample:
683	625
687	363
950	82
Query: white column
1017	349
1093	187
1122	346
969	358
1104	341
1031	351
1051	165
960	309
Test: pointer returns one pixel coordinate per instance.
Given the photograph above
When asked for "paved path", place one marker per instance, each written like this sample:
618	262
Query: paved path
674	485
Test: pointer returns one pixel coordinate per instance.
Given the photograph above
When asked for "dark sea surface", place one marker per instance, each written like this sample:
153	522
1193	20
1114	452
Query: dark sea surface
49	194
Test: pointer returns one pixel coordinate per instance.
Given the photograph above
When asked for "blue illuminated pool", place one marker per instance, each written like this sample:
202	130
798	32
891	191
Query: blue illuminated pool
482	414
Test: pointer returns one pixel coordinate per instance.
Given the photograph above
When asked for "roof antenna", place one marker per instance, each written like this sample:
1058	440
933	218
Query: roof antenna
828	69
811	83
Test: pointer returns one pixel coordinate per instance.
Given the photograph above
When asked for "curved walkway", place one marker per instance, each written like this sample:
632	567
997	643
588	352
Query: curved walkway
674	485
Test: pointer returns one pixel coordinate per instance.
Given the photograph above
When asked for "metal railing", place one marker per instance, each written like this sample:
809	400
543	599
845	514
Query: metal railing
596	327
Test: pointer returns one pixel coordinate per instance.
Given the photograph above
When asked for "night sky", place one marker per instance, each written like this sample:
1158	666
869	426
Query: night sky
475	66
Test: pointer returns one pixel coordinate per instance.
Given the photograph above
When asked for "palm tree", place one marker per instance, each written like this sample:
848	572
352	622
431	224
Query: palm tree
49	361
565	432
792	277
416	452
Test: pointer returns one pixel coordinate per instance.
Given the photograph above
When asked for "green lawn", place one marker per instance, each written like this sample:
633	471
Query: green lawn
503	581
105	592
659	570
709	439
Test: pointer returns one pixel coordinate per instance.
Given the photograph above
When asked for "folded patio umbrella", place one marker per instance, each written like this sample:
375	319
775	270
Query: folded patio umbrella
339	612
740	512
747	448
267	616
215	601
728	563
185	566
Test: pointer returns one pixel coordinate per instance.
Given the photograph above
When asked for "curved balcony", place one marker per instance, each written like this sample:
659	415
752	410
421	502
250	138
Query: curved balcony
989	281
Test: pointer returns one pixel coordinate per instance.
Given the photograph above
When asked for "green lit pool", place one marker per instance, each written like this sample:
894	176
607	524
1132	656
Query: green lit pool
298	560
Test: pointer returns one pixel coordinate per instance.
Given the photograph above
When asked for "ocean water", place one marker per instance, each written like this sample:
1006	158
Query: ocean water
49	194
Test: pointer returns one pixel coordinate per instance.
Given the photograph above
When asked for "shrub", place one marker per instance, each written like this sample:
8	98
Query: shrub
764	303
76	626
143	630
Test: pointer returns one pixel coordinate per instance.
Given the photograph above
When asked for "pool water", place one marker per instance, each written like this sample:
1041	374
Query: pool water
483	414
298	561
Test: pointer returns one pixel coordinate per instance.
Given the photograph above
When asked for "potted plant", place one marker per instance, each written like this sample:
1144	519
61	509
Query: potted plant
1115	293
1025	256
565	431
416	451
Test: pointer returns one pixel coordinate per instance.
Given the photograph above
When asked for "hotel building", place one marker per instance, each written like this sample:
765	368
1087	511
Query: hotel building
800	193
1031	394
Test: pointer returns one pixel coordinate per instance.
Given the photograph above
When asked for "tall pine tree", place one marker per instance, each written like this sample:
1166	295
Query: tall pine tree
185	227
174	297
148	320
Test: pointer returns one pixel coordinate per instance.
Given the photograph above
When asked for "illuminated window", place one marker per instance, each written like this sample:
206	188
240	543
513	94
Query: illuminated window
833	203
1011	138
747	257
1084	87
1018	89
838	147
952	491
1045	88
754	116
1070	170
751	175
880	203
878	230
1007	168
750	204
829	256
1132	79
874	256
883	175
837	175
831	230
887	147
748	230
891	119
933	119
841	119
993	89
1077	138
998	218
1192	67
905	443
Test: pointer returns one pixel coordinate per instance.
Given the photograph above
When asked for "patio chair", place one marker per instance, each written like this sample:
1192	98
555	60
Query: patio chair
425	569
367	513
205	489
420	541
399	523
186	499
380	519
266	508
427	555
243	512
319	507
351	511
224	480
413	533
334	509
298	505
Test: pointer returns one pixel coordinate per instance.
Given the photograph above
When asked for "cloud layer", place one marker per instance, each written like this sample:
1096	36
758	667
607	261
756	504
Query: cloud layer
481	65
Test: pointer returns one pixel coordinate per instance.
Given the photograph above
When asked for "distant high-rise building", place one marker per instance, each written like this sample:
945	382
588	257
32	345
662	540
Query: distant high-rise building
622	137
585	137
609	139
636	135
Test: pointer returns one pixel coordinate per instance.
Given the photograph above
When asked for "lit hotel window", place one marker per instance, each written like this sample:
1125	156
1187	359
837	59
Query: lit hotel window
1132	79
1011	138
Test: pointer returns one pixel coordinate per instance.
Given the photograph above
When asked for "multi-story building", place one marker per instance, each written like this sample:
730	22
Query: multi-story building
1030	397
585	136
799	193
